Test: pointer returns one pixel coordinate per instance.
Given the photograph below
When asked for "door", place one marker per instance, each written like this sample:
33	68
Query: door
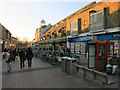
100	57
92	56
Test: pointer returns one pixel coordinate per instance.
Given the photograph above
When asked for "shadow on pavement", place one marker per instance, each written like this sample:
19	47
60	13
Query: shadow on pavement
27	70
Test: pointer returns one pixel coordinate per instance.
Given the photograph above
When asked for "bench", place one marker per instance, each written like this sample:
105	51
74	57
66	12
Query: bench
95	75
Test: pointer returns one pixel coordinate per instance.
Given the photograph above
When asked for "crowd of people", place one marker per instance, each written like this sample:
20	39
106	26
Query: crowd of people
12	54
27	54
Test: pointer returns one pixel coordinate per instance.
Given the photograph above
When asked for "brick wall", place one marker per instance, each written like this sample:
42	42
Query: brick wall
112	20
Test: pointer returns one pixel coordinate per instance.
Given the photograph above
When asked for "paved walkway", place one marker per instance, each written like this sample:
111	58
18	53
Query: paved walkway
43	75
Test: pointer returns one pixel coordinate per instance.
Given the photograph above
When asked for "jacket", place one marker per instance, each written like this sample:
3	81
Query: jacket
114	61
22	55
29	54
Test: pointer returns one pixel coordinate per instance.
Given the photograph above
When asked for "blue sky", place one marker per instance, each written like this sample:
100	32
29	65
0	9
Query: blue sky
22	18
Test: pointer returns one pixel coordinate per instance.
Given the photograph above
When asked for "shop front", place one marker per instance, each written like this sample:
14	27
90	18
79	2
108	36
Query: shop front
99	52
79	45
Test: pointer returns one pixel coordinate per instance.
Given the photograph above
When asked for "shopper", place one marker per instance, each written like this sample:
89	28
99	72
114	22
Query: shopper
14	54
8	58
29	56
22	58
114	61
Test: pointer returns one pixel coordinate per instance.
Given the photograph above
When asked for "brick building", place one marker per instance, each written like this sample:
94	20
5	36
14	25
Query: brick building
6	39
95	21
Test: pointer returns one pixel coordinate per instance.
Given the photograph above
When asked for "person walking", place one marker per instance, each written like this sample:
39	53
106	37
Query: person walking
29	56
22	58
8	58
14	54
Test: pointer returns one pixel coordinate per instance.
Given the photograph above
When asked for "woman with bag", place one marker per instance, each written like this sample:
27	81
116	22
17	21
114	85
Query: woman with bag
8	59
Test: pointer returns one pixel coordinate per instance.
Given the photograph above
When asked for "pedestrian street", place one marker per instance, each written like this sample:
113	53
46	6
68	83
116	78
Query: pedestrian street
42	75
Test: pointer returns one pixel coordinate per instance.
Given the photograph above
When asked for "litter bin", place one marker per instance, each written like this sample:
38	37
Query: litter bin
71	68
64	64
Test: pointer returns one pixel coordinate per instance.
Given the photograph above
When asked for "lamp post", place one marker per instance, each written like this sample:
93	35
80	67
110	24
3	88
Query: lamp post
92	25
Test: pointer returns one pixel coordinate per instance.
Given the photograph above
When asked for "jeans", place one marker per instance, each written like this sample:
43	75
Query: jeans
9	66
22	63
29	62
114	67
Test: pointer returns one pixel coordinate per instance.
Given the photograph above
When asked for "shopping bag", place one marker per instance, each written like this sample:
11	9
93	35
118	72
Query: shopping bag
16	57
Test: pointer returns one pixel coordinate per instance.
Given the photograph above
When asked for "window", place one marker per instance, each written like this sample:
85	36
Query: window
96	20
72	47
74	27
77	47
79	25
6	34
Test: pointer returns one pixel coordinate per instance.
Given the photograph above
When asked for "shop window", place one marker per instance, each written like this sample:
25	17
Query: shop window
72	47
77	47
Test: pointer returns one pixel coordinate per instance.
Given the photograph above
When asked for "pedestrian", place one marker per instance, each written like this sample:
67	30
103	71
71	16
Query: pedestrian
29	56
5	50
8	58
114	62
68	51
22	58
14	54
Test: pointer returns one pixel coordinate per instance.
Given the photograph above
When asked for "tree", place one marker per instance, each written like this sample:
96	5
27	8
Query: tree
22	43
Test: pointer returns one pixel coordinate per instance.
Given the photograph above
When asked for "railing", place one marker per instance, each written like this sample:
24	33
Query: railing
95	75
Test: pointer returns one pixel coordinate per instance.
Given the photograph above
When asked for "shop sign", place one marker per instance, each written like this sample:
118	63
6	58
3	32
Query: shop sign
88	38
116	35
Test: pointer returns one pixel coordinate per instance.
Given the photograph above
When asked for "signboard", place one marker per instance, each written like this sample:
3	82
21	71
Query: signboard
82	47
77	47
116	35
116	46
100	37
72	47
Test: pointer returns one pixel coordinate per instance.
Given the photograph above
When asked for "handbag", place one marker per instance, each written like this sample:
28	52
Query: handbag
16	57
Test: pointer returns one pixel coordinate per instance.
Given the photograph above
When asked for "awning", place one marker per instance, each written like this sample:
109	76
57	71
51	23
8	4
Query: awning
58	39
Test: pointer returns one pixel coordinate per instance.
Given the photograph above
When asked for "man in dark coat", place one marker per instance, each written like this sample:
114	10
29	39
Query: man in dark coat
22	58
14	54
29	56
114	61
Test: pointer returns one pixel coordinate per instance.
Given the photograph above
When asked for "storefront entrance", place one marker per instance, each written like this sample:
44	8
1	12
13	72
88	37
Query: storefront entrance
99	52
